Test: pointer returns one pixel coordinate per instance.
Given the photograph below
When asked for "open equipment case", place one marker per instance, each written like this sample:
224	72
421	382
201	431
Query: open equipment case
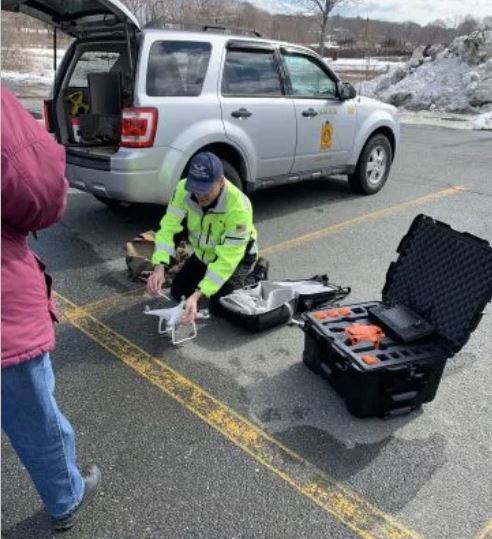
442	281
269	304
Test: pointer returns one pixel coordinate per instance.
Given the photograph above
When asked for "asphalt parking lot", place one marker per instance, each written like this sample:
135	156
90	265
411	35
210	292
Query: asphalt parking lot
230	436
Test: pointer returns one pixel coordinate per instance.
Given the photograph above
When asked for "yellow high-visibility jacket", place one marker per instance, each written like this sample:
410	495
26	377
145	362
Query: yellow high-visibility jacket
220	236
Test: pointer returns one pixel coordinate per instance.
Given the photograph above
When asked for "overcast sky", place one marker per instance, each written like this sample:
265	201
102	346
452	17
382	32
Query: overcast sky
420	11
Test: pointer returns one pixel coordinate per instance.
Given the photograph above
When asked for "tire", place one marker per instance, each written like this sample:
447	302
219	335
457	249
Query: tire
113	204
378	155
232	174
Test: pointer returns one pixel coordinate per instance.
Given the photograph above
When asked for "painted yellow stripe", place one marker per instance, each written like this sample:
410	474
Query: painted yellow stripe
346	506
112	304
377	214
134	297
118	301
486	533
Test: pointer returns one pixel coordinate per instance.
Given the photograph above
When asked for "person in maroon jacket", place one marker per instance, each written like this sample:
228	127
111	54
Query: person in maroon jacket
34	193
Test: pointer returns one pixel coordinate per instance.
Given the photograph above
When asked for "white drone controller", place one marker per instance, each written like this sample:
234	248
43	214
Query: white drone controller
171	317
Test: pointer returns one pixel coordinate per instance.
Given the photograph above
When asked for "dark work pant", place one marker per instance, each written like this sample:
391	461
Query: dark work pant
193	271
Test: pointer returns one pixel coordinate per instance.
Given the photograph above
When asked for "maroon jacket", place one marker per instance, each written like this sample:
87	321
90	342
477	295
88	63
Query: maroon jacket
34	193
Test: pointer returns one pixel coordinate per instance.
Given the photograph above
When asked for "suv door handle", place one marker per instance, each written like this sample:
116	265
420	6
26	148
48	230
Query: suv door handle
309	113
241	113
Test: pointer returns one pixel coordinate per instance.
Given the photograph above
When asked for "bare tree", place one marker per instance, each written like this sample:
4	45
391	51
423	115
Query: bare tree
201	4
487	22
321	9
150	10
467	25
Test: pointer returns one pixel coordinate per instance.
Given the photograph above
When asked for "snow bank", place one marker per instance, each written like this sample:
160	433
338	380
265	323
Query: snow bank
361	64
484	121
40	67
454	79
17	76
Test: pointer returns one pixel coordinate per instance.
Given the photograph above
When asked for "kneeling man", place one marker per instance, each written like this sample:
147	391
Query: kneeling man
219	221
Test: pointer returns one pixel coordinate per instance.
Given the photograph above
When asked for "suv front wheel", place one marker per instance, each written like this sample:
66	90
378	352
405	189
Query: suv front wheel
373	167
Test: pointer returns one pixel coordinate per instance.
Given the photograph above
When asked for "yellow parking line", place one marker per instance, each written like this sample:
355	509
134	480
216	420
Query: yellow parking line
113	303
311	236
125	299
134	297
346	506
486	533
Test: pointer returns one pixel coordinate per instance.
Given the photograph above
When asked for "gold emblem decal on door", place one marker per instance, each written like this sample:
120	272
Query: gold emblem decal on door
326	138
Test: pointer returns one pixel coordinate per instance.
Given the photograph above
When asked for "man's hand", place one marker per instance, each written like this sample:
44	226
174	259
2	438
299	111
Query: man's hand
156	280
191	308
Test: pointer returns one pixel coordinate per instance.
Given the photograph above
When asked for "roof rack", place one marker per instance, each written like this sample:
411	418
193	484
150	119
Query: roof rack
162	23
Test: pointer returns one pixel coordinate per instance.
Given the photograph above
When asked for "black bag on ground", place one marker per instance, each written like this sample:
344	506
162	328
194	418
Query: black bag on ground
273	303
443	279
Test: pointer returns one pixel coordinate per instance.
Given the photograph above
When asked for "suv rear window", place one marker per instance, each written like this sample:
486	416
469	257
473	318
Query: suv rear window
250	73
92	62
177	68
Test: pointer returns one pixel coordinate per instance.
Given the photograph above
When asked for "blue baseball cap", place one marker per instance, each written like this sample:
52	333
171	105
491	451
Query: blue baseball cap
205	168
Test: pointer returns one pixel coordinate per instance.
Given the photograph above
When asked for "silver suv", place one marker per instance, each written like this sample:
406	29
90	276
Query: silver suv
132	106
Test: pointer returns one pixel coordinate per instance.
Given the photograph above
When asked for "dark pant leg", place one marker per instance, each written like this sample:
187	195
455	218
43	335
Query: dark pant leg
238	280
186	281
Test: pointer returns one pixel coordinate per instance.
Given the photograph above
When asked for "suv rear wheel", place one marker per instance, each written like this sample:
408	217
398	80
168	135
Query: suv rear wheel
232	174
373	166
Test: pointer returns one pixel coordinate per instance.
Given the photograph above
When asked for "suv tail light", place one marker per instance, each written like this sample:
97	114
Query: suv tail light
138	127
47	113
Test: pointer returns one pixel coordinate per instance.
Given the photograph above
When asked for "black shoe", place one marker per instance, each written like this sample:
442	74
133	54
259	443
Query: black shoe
261	268
92	477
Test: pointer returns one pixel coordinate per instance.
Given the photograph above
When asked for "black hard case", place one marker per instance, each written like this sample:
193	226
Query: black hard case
443	275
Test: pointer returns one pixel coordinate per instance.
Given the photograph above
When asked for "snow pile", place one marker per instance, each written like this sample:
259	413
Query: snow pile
453	79
362	64
40	67
484	121
18	77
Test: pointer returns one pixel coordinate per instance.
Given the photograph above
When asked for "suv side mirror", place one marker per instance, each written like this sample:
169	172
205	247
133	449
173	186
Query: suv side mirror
346	91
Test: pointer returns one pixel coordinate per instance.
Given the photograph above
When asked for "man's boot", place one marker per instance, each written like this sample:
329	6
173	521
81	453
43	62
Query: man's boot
260	271
92	477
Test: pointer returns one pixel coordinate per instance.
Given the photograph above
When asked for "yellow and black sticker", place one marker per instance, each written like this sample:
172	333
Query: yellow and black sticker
326	138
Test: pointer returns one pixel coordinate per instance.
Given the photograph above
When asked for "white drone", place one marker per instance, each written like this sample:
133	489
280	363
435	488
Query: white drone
170	318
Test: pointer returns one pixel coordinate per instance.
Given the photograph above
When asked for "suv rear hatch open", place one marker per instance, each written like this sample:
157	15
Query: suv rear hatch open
96	77
78	18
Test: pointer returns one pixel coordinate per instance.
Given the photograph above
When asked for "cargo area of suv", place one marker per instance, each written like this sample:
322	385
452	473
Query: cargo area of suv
94	83
95	88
